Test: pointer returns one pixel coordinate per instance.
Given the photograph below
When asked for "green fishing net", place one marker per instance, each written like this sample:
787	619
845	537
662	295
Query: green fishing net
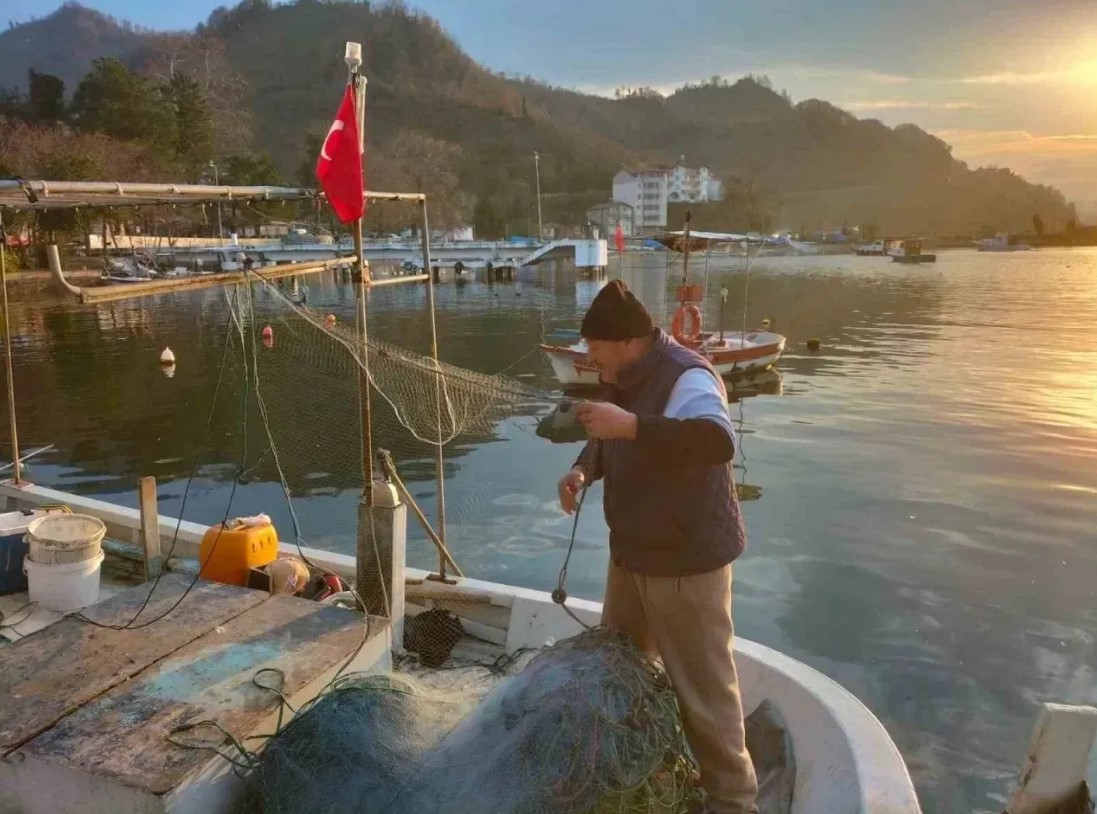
589	725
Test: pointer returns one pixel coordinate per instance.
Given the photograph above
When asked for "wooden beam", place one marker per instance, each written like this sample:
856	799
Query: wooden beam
415	278
406	496
418	592
150	527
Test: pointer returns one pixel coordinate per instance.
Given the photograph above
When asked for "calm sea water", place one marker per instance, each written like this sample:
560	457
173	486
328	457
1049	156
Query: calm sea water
920	494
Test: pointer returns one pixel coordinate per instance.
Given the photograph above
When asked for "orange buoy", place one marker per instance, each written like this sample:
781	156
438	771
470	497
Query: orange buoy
330	320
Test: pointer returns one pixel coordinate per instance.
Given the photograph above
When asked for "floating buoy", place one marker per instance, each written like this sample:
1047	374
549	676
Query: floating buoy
268	342
167	357
288	575
813	344
268	332
765	323
330	320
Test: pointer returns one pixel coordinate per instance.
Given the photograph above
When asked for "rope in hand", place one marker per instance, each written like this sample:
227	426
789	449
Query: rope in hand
560	594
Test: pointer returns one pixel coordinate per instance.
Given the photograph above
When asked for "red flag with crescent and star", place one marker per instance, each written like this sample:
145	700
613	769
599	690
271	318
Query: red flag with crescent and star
339	167
619	238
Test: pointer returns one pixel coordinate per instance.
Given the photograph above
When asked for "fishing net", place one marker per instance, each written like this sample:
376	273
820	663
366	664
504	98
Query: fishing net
433	401
589	725
305	368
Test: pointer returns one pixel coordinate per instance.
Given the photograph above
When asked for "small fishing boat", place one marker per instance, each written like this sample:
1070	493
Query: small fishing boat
56	738
877	248
1001	243
129	270
910	251
733	355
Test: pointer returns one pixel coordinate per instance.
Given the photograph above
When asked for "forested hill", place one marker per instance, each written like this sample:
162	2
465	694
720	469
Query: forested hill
257	79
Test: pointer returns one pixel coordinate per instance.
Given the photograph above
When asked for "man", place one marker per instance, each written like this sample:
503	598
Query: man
664	444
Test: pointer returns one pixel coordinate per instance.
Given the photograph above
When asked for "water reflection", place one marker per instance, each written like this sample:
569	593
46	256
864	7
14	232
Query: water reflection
918	492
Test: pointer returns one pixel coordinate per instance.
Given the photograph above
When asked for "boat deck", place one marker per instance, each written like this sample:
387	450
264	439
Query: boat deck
90	709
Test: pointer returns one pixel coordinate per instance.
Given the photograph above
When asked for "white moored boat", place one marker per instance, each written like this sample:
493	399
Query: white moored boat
736	354
1001	243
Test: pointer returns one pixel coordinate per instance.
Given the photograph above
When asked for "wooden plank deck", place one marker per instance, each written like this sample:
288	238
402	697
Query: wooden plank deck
87	713
47	675
123	734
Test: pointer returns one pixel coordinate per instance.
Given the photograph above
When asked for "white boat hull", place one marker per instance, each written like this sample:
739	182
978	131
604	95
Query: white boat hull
736	355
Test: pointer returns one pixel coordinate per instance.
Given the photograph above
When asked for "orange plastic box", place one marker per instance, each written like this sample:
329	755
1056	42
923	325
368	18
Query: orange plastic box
226	553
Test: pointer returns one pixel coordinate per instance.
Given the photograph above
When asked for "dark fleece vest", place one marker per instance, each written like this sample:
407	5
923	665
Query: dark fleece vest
666	519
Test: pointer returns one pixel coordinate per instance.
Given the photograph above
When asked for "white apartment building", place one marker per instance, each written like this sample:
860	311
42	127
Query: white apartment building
692	184
646	191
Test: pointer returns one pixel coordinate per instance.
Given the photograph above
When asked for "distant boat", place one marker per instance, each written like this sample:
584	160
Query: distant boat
139	269
1000	243
809	247
129	270
877	248
910	251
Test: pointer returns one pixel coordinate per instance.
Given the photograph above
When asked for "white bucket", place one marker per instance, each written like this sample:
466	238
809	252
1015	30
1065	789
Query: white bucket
65	538
66	587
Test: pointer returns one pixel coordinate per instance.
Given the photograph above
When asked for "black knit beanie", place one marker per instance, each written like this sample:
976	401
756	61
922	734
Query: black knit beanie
616	315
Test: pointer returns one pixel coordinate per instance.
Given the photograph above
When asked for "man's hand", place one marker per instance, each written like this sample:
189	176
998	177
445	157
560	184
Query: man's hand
569	487
606	421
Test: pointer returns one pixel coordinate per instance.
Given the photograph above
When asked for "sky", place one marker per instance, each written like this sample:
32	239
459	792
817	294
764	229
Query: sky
1006	82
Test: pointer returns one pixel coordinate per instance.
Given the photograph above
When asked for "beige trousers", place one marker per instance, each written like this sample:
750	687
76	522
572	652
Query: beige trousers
687	623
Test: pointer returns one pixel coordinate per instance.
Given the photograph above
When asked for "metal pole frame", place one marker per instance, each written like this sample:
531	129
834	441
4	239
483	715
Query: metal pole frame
7	357
217	182
363	276
537	172
440	457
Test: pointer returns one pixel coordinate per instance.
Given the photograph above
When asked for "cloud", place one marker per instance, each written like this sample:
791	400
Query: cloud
1019	142
805	72
906	104
1081	74
1067	161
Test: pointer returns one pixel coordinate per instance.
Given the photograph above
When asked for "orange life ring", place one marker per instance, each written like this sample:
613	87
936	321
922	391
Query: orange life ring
677	326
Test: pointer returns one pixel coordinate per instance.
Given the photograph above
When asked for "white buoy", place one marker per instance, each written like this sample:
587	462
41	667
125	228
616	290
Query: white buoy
167	357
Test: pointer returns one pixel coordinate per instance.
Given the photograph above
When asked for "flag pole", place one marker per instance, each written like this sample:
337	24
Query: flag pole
353	58
17	466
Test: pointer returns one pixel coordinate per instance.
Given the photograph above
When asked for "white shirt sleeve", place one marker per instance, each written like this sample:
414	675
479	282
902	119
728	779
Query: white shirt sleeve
697	394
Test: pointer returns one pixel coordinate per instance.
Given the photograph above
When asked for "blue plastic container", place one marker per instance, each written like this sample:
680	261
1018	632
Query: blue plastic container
13	548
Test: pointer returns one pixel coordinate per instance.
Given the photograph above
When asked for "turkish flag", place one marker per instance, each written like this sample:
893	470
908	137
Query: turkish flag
619	238
339	167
